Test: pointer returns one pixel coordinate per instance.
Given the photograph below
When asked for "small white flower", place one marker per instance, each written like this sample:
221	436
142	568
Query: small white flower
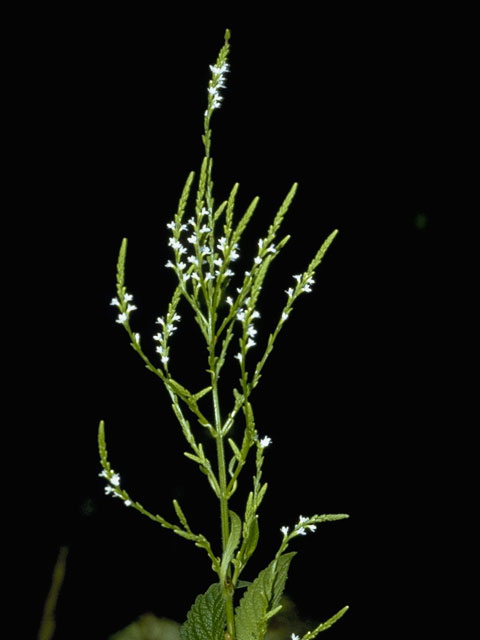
251	331
297	277
250	343
284	530
170	264
208	276
294	637
128	297
204	229
221	243
265	441
255	314
284	316
229	273
258	260
204	212
127	502
229	300
234	255
165	359
122	317
238	356
131	307
115	302
192	239
115	480
137	337
171	225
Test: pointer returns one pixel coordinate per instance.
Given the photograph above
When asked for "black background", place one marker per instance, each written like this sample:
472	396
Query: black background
107	118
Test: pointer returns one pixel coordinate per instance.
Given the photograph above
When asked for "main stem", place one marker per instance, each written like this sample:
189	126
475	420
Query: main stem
227	588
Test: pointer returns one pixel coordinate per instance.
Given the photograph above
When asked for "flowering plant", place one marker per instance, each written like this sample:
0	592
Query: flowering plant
204	251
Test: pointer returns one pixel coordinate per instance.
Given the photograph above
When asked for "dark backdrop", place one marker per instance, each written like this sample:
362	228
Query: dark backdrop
108	118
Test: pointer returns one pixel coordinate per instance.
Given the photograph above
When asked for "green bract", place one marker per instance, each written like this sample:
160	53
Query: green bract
205	248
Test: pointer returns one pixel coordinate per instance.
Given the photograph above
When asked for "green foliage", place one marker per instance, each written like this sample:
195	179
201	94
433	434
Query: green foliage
262	600
205	248
206	619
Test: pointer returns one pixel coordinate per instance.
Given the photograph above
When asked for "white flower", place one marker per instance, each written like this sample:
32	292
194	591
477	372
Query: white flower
127	297
284	530
131	307
311	527
127	502
265	441
137	337
115	480
229	300
122	317
297	277
170	264
115	302
204	229
219	70
250	343
258	260
238	356
284	316
294	637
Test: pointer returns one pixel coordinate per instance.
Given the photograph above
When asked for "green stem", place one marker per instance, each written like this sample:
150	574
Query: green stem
227	589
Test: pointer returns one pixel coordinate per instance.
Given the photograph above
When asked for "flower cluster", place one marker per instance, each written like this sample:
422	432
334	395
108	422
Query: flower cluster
124	306
162	336
249	330
114	487
191	267
299	529
217	82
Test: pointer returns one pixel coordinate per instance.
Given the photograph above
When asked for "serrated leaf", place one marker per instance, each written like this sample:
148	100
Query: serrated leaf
261	598
206	619
232	543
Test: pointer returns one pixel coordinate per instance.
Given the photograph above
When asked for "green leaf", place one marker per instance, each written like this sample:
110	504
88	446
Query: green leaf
206	620
251	540
232	543
262	599
201	393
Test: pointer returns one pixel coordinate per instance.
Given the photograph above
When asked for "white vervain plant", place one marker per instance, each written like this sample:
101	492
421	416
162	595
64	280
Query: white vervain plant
205	247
